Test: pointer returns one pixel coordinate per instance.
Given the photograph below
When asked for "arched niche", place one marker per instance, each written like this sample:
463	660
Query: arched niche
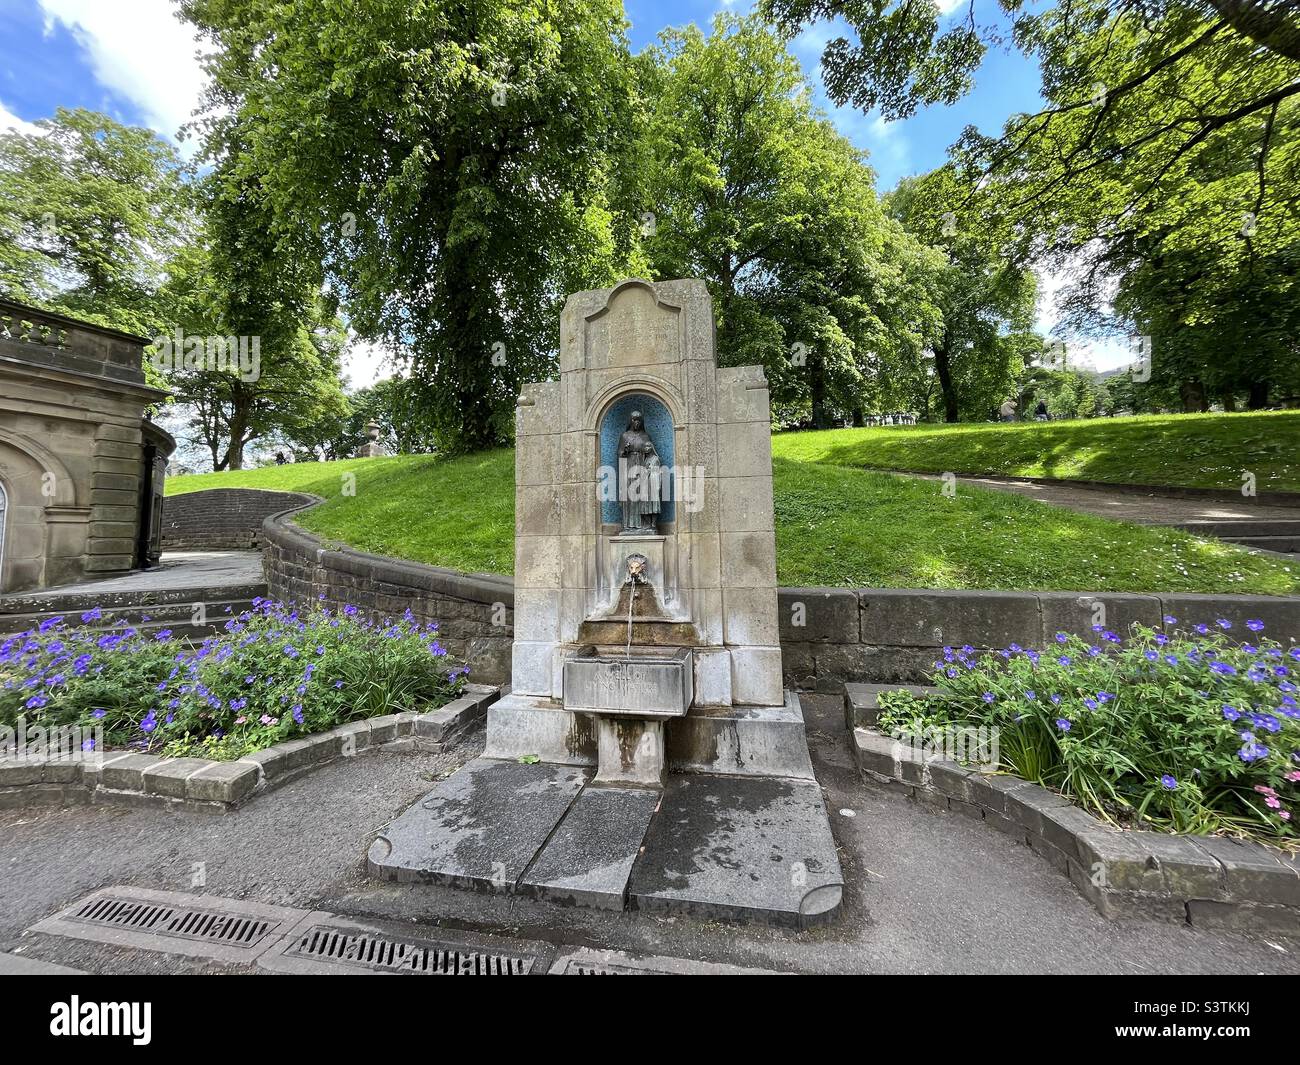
660	428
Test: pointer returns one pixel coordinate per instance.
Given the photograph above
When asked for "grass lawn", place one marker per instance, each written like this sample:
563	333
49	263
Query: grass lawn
1184	450
834	526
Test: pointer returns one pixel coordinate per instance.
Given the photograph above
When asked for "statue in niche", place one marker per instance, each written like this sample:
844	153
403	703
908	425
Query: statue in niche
639	477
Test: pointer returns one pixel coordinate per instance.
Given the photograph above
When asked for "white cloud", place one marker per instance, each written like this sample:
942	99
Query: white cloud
140	50
8	121
947	7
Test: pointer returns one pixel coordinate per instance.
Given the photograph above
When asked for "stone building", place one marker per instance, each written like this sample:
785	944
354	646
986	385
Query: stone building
81	470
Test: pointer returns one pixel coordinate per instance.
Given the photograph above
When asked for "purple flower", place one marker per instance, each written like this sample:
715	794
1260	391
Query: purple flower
988	697
98	712
1170	619
1064	660
94	614
1255	625
1063	724
1224	623
1169	782
1062	637
1223	669
1231	713
1030	695
149	723
49	623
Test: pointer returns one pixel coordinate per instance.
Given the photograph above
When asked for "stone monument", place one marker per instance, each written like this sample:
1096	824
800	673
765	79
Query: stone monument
646	675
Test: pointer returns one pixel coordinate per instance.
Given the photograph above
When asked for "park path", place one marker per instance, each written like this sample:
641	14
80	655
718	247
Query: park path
1127	505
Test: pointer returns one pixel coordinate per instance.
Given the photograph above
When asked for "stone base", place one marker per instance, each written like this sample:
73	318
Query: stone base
629	751
730	740
758	848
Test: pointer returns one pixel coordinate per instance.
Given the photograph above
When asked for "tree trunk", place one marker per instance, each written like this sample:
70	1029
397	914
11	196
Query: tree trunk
817	387
1258	399
944	370
859	417
1265	24
1192	392
1229	400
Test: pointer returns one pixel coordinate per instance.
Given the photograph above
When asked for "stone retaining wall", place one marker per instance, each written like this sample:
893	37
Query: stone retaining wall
829	636
1205	881
475	612
223	518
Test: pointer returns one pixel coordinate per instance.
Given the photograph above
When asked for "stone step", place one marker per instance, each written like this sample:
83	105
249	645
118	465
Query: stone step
736	848
67	601
1231	528
147	617
1281	544
734	740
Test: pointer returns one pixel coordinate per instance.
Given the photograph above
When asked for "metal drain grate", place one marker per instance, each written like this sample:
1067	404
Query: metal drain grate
394	954
211	926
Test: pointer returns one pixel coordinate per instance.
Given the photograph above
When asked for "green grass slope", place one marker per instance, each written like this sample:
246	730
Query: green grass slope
834	526
1184	450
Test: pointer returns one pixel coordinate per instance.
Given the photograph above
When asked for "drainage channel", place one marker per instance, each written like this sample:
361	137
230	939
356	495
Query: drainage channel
282	939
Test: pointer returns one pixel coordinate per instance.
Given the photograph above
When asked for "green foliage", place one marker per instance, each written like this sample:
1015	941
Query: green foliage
271	675
1160	175
983	297
751	188
1189	732
834	526
91	214
452	168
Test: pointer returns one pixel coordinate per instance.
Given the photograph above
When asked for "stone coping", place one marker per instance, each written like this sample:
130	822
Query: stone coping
852	615
126	777
419	576
1204	881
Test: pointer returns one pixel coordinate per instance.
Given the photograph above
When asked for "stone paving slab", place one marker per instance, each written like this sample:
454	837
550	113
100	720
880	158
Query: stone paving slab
740	848
589	858
211	570
479	828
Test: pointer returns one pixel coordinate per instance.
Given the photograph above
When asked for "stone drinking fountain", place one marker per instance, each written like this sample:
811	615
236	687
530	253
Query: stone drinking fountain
646	698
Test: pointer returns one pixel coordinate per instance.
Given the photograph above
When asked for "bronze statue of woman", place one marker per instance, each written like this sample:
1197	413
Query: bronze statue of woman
639	476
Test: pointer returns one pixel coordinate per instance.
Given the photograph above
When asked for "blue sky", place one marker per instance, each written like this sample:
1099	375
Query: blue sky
133	60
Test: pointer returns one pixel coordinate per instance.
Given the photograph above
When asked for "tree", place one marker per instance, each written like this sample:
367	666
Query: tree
338	437
91	213
754	191
450	165
1163	163
984	297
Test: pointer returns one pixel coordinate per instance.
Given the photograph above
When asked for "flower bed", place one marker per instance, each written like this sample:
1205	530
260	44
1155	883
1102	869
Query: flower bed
273	674
1182	731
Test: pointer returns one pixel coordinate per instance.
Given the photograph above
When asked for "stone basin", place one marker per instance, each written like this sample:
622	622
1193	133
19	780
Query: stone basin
650	682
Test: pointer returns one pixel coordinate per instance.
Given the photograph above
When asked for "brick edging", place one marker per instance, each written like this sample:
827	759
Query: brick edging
124	777
1204	881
